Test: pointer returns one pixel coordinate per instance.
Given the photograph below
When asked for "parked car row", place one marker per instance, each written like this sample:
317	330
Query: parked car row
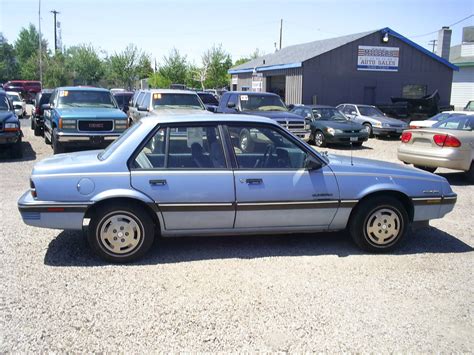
10	129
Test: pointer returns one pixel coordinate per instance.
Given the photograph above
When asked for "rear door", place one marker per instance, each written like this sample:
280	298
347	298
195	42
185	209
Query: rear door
185	171
273	188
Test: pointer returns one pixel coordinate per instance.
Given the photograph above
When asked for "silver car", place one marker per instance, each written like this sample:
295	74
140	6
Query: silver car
187	175
374	120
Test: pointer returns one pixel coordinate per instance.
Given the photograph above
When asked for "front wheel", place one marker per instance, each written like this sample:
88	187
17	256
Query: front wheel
379	224
368	128
319	139
58	148
245	141
121	233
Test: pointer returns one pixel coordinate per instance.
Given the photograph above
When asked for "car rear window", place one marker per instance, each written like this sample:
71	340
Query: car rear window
168	100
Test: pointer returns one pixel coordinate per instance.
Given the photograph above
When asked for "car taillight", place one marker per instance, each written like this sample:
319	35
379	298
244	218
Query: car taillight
38	110
33	189
445	140
414	127
406	136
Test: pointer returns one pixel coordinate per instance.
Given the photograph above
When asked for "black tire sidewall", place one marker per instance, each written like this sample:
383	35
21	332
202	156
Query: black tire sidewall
361	214
136	212
323	140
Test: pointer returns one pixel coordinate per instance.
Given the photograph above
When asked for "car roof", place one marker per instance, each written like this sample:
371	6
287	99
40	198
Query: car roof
315	106
12	92
170	91
251	93
81	88
200	117
121	93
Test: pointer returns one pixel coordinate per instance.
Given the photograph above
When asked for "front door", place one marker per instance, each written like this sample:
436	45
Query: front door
184	170
273	188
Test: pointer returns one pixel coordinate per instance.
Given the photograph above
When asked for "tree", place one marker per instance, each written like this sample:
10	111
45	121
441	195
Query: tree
8	64
217	61
159	81
144	69
174	68
122	66
85	63
55	72
256	53
26	48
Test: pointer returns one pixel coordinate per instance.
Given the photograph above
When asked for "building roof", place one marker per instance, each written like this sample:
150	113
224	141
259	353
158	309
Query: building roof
294	56
456	58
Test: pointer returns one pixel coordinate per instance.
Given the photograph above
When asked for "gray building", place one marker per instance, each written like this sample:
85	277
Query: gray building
369	68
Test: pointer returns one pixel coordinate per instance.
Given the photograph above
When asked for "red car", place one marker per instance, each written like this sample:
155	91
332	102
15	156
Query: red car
28	88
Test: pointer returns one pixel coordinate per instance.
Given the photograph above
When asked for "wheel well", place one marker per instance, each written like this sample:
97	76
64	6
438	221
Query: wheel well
370	124
127	201
404	199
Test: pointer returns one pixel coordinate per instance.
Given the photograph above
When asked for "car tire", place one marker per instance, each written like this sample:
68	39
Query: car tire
46	139
32	123
368	128
426	168
58	148
37	131
319	139
379	224
470	173
121	233
246	142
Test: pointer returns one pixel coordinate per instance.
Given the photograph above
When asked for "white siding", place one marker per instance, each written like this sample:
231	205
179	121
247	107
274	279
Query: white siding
463	87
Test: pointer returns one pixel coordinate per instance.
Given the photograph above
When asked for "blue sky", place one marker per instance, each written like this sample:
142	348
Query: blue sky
241	26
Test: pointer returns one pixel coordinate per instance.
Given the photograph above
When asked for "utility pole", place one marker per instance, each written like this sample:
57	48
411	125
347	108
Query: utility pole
281	30
54	12
40	51
433	43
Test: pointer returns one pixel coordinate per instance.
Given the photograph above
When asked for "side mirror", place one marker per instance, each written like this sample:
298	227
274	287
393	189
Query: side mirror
142	108
312	163
353	113
211	109
231	104
46	107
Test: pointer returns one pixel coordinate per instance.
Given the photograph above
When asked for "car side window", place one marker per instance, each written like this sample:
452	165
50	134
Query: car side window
144	101
197	147
139	98
259	147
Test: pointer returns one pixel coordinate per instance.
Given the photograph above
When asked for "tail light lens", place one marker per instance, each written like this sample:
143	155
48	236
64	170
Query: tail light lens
414	127
406	136
33	189
445	140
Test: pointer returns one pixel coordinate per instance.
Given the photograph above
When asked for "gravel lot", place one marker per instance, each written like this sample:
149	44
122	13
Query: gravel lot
272	293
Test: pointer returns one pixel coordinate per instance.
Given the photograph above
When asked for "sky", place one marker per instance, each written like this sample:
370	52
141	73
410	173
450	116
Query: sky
240	26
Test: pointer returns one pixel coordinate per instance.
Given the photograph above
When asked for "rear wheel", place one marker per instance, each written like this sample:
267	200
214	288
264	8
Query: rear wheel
426	168
319	139
37	130
379	224
121	233
246	142
32	122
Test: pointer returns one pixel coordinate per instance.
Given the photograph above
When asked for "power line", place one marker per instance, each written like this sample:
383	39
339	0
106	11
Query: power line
451	25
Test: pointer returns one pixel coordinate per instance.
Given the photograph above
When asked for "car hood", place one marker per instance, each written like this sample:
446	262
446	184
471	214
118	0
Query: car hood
384	119
7	116
276	115
90	112
84	161
178	111
342	164
344	125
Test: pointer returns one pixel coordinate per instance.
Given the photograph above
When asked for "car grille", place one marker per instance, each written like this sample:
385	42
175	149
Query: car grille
351	131
95	126
395	125
291	125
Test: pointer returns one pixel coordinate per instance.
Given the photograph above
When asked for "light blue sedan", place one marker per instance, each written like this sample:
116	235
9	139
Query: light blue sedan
187	175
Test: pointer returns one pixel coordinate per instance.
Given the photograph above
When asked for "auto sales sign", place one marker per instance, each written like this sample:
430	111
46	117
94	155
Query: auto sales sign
378	58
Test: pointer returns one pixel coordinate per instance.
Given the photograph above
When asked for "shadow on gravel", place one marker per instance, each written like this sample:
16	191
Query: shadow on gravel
28	154
456	178
70	247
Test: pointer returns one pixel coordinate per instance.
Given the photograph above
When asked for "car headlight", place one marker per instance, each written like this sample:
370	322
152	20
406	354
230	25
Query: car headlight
378	124
331	131
67	124
385	125
122	124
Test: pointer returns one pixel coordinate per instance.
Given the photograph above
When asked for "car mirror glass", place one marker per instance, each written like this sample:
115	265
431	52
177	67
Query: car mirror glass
312	163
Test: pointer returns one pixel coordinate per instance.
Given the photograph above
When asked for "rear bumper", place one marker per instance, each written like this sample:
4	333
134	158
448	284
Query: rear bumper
9	137
450	158
52	214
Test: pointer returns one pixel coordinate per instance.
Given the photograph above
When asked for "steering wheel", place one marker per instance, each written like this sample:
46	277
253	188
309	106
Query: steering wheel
267	155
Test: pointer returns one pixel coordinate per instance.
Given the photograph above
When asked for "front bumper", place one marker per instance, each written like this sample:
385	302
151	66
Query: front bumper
9	137
52	214
303	135
426	208
86	138
387	131
450	158
346	137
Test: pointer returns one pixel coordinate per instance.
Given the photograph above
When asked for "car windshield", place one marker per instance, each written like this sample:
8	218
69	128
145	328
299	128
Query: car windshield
3	103
456	122
469	106
370	111
262	103
176	101
14	97
329	114
208	99
107	152
85	98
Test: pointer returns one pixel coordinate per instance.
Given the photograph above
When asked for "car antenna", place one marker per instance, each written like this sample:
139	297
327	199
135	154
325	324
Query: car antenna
352	162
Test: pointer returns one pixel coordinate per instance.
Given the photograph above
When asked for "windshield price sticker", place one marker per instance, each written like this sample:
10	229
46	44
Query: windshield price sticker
63	93
156	96
244	97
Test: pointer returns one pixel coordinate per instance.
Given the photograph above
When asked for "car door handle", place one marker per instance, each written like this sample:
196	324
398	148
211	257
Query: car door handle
254	181
157	182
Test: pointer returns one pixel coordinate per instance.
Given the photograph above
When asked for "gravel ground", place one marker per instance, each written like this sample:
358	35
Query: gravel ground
272	293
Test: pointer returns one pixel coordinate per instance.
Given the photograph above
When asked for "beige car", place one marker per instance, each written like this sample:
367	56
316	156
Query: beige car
448	144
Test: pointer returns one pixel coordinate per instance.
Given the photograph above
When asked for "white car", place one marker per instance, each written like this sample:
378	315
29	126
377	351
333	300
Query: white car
436	118
18	103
